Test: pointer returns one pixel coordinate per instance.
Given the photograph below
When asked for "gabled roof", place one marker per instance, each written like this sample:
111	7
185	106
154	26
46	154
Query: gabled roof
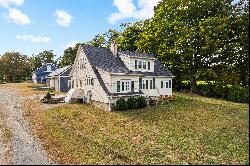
102	58
58	71
43	66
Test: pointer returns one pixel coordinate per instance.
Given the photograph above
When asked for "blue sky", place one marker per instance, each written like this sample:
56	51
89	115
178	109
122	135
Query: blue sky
31	26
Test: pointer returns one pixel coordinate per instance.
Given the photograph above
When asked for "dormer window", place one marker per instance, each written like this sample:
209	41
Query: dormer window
49	68
135	64
139	64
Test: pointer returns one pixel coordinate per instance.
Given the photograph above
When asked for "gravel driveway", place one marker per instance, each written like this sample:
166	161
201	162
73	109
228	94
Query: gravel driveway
23	149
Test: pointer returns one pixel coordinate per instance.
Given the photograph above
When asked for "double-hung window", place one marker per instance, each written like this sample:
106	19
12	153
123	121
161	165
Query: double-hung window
147	83
166	84
124	86
139	64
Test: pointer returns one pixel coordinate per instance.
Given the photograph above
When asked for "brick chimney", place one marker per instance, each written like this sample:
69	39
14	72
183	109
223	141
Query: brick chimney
114	49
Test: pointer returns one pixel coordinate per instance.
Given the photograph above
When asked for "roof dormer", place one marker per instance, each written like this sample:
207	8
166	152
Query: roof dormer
138	61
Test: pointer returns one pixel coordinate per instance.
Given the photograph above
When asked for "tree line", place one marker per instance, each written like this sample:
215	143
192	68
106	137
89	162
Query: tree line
197	40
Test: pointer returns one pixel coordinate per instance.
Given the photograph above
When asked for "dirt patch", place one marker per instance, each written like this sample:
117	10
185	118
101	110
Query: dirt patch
5	137
18	145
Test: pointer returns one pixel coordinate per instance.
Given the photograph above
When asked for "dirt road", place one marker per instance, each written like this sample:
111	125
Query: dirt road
17	145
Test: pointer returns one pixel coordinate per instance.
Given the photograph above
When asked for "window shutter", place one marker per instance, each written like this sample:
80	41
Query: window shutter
148	65
132	86
153	83
166	84
144	65
123	87
146	84
140	82
170	84
161	84
135	64
118	86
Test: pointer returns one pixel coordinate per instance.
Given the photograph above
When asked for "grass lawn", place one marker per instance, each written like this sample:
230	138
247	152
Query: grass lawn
191	130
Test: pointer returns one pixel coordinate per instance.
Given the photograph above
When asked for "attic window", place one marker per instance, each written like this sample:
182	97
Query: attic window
49	68
139	64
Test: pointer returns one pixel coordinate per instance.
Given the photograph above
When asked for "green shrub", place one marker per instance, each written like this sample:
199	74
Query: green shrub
234	93
142	102
238	94
47	96
121	104
132	103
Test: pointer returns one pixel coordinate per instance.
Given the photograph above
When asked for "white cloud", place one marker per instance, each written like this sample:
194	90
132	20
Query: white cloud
72	44
7	3
63	18
128	9
33	38
18	17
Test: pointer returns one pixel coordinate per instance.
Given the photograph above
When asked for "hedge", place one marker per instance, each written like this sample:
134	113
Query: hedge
131	103
234	93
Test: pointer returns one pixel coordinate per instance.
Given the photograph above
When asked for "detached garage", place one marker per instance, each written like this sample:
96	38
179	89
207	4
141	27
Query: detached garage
60	79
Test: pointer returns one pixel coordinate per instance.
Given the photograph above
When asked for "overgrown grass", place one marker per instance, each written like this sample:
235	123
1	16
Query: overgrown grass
191	130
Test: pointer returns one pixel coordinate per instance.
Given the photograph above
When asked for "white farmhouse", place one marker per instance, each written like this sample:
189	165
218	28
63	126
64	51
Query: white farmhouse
101	76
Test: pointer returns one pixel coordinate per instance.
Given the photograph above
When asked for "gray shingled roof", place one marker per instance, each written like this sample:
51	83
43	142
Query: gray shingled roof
103	58
58	71
135	54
